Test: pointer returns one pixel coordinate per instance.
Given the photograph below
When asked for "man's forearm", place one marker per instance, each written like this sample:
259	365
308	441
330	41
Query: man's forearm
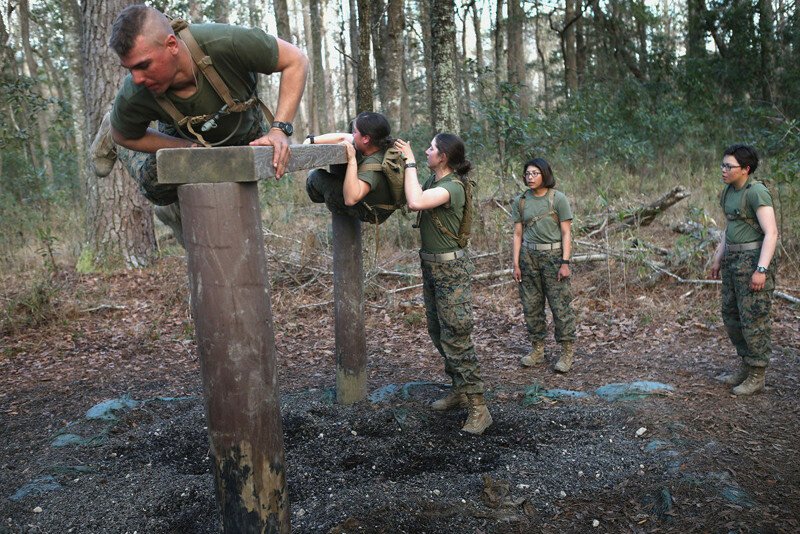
151	141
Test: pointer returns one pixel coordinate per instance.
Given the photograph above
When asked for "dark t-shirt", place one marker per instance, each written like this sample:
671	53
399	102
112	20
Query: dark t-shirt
238	54
739	231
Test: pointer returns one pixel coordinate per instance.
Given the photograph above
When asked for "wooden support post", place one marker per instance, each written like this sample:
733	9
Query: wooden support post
233	320
236	343
348	297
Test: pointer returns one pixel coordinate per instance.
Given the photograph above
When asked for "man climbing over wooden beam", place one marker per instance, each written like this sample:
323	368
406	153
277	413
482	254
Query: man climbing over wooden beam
199	83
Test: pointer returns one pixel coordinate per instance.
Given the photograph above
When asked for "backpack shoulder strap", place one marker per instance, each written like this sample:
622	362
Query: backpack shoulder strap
205	63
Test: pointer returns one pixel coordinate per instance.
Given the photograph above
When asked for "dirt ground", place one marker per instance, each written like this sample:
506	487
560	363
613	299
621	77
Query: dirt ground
690	457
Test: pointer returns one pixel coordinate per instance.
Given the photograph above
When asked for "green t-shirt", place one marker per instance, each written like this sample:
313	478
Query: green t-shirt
449	215
545	230
739	231
238	55
379	192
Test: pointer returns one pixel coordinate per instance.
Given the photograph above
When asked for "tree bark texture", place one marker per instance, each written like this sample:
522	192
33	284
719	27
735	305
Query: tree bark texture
444	93
119	220
516	54
42	115
570	48
282	20
319	88
364	95
378	28
394	55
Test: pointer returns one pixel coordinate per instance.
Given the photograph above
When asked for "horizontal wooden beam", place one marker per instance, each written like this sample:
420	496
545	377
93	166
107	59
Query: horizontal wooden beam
238	163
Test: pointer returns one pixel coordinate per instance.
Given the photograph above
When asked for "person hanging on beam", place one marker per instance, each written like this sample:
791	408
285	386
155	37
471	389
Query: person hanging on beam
199	83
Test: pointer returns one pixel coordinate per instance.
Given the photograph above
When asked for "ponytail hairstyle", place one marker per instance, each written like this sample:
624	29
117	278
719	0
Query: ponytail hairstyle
452	146
376	127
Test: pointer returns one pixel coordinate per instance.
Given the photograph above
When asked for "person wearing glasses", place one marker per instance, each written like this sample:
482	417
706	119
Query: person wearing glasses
745	261
444	202
541	253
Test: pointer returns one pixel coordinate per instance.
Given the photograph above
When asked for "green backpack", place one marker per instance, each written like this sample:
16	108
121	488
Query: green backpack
393	167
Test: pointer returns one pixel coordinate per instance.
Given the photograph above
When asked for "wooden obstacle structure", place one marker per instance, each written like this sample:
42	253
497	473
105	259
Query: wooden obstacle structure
229	287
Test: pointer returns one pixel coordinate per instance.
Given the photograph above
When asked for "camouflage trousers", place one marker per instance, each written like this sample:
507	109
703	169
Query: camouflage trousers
539	282
448	310
142	168
328	187
745	313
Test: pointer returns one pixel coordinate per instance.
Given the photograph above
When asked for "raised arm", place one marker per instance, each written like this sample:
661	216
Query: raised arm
293	66
416	198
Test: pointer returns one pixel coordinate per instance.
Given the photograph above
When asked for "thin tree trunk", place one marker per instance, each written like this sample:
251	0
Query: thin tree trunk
580	45
570	48
364	95
378	29
499	46
311	96
221	11
344	61
516	53
394	57
425	23
695	29
119	219
195	11
282	20
766	39
318	72
444	93
43	115
465	75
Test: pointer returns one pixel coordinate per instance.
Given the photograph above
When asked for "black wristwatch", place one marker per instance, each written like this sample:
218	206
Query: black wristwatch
762	269
564	262
285	127
412	165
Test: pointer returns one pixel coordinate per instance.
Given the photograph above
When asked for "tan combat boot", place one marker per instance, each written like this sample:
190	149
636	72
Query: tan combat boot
479	418
453	400
535	357
103	150
734	379
754	382
564	363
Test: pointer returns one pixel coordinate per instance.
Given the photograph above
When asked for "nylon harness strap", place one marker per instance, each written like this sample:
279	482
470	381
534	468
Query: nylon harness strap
435	219
742	207
551	195
379	168
204	62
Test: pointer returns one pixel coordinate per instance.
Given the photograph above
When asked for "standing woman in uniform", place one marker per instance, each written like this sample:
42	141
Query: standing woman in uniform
541	251
745	259
447	270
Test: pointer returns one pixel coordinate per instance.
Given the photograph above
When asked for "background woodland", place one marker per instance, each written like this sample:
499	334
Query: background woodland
627	99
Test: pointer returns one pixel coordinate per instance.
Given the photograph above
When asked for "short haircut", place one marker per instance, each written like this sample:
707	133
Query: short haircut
745	155
130	24
548	180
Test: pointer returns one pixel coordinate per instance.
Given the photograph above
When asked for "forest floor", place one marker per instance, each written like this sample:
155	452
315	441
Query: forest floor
687	457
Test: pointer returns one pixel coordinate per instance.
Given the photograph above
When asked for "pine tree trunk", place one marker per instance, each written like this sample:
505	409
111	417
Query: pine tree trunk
364	95
499	46
516	53
394	56
766	32
570	49
120	221
425	23
444	94
378	29
282	20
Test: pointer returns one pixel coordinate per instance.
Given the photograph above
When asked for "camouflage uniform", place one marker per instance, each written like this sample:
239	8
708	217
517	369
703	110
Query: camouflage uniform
540	267
328	187
745	312
447	290
448	310
539	281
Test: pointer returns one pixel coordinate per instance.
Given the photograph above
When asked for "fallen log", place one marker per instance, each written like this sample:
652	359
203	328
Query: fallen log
697	230
642	216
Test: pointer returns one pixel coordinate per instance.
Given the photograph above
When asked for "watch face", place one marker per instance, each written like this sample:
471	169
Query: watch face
288	128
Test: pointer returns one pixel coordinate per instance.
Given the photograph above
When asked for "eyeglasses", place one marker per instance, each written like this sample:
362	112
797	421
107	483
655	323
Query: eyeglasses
725	167
532	174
